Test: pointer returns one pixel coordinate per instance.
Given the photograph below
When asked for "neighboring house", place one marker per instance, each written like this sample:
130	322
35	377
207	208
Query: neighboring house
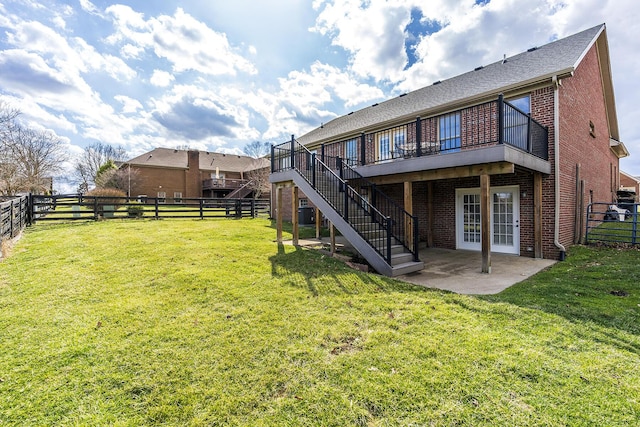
172	174
630	183
504	158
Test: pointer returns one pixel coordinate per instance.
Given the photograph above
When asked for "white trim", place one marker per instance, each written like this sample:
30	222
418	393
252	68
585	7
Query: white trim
477	246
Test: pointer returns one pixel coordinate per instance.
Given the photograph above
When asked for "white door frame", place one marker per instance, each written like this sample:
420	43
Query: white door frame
473	218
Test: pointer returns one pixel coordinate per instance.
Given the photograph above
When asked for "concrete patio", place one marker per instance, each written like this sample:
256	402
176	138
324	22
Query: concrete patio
460	271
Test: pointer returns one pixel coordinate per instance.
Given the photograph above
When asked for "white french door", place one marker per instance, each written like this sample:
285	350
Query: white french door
505	219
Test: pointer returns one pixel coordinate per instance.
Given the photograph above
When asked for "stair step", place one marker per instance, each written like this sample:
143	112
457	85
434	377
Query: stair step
406	268
401	258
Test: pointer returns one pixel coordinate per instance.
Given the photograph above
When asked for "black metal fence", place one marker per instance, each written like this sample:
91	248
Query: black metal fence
610	224
78	207
14	215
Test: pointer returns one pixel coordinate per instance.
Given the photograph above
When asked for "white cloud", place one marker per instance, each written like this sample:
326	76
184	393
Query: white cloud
89	7
161	78
129	105
373	35
188	44
195	113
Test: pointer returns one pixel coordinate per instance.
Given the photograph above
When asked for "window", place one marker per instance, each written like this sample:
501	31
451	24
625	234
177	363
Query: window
522	103
351	152
391	144
162	197
399	141
384	147
177	197
516	124
449	132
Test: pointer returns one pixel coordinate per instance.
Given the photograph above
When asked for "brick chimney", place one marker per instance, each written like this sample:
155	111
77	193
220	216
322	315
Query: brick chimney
193	179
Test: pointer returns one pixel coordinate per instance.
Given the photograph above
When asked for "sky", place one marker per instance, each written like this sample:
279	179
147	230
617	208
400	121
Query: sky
216	75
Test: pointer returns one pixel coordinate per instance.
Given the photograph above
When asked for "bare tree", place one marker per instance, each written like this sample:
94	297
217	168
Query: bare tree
8	168
258	176
95	156
257	149
34	156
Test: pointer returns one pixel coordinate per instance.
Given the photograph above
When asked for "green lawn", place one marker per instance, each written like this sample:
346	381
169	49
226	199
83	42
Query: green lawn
189	322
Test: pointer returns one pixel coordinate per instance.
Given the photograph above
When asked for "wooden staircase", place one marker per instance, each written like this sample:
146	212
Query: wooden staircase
384	240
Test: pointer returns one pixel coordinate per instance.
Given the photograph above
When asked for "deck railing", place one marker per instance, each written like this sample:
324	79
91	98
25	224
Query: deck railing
490	123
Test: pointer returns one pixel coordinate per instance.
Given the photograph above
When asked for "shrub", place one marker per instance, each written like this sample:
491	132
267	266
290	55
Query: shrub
135	210
106	197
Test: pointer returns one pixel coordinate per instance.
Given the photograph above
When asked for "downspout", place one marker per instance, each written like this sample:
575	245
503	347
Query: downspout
556	154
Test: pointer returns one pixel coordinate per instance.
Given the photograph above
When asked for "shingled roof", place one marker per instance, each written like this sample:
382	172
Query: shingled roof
178	159
559	58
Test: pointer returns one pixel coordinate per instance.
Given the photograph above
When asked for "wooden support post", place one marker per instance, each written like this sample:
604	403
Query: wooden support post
318	222
332	236
430	216
294	214
485	218
279	214
537	215
408	206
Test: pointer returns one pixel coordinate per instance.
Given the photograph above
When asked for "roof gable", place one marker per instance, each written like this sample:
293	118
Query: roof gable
558	58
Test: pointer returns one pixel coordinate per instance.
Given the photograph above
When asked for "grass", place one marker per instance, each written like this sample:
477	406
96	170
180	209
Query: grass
616	232
189	322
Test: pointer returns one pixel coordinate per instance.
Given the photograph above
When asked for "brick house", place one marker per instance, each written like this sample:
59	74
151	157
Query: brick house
630	183
504	158
172	174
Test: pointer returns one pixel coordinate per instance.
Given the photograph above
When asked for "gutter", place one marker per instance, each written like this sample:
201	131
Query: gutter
556	152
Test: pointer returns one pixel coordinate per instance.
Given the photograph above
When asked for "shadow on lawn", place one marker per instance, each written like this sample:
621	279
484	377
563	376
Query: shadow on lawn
601	286
321	274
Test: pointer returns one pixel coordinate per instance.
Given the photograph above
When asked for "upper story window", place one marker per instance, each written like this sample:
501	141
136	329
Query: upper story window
384	147
516	126
390	143
449	132
522	103
351	151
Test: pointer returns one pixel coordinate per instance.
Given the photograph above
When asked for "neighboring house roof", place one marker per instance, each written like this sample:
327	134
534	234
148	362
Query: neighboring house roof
559	58
631	177
178	159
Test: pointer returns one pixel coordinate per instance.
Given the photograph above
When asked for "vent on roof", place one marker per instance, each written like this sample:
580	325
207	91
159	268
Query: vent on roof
402	94
504	58
437	83
531	49
350	113
375	104
478	68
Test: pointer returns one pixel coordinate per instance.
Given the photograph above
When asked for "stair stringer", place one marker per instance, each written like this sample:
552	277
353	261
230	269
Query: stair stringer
358	242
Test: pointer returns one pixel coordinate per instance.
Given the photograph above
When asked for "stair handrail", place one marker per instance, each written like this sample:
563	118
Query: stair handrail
412	244
237	190
309	163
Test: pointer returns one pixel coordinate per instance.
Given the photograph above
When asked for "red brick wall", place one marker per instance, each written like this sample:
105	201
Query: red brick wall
582	103
150	181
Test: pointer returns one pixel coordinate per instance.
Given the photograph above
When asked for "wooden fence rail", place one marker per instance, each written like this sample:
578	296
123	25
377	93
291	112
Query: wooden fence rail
79	207
14	215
